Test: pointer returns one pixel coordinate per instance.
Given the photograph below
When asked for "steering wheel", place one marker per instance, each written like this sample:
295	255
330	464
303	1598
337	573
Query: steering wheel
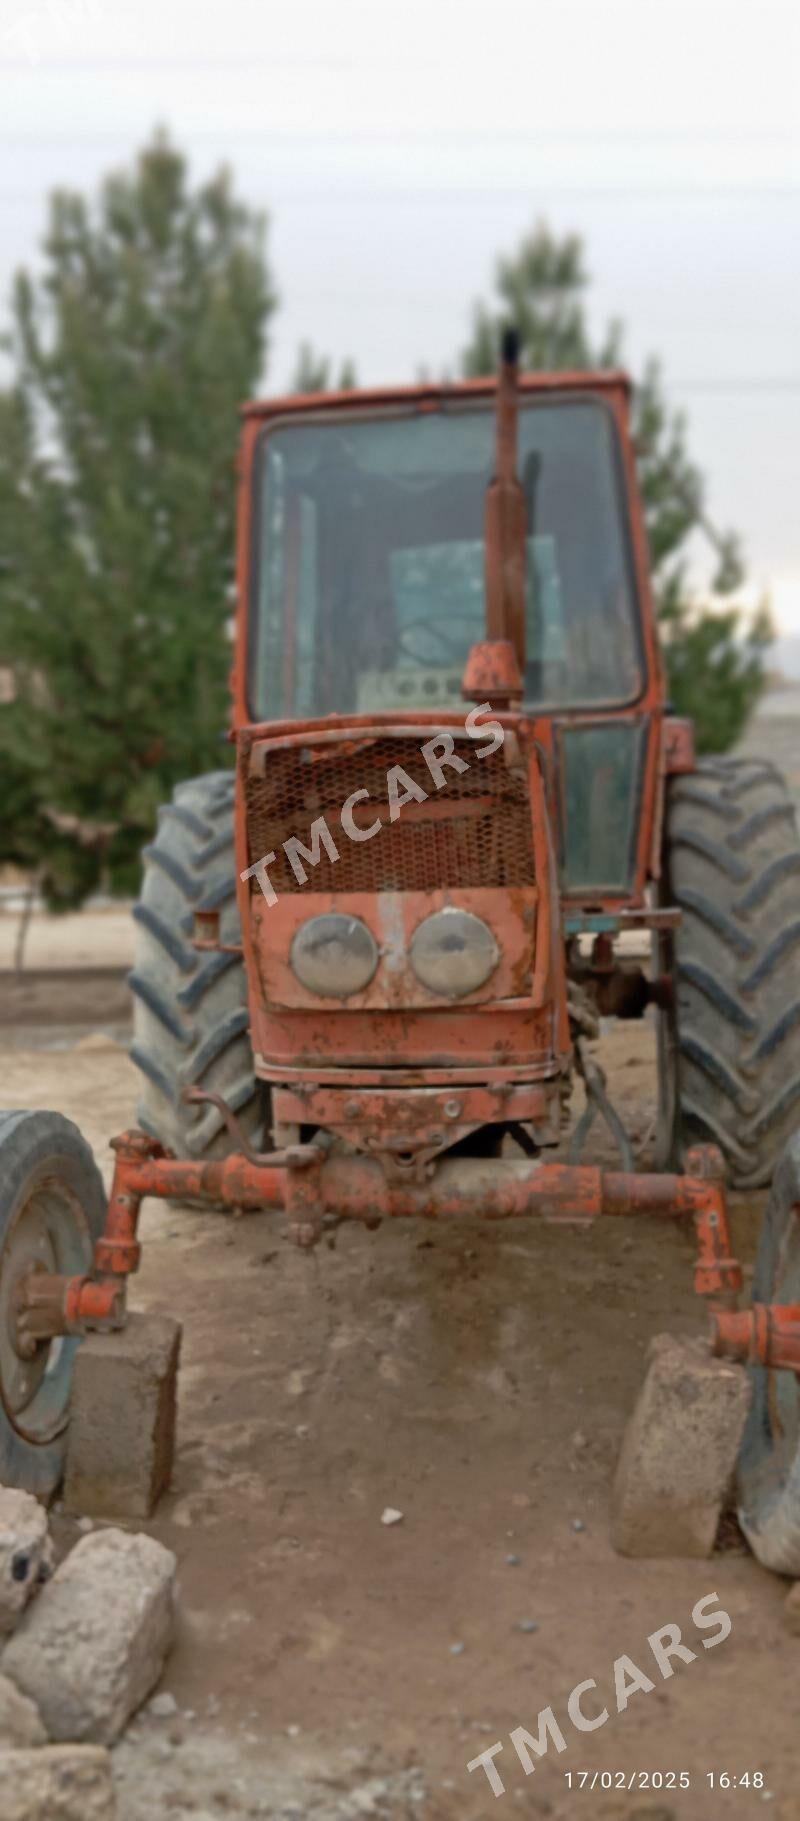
452	655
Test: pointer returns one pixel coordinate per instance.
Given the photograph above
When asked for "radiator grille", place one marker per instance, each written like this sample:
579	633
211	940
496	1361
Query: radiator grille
475	831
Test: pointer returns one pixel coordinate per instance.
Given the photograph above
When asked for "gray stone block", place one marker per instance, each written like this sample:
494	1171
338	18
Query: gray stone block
25	1553
121	1441
92	1647
679	1452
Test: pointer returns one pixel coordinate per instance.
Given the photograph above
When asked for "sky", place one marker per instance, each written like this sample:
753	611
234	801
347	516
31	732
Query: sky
398	149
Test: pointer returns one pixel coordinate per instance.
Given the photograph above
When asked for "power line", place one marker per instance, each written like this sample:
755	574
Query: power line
434	135
434	195
758	387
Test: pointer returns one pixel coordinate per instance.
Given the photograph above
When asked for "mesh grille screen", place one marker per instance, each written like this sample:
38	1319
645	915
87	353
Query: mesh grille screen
475	831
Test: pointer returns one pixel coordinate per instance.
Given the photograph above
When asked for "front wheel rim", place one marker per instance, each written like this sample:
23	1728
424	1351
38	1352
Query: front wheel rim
48	1231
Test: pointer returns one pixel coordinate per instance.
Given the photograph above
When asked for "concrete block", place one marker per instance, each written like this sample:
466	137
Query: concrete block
25	1553
679	1452
121	1440
20	1722
57	1783
92	1647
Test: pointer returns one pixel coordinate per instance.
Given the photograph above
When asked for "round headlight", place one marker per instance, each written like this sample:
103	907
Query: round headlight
453	952
334	955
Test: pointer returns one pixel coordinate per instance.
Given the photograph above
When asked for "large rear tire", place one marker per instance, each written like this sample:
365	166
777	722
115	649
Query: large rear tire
769	1461
52	1212
191	1023
729	1056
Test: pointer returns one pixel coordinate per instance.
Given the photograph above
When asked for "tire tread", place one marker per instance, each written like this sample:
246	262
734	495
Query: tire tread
733	868
191	1022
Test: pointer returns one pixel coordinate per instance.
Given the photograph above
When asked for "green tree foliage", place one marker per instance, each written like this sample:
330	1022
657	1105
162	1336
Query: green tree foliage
132	352
317	372
715	664
714	660
540	289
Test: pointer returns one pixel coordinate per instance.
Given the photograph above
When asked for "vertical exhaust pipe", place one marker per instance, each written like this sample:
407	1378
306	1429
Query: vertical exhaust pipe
506	515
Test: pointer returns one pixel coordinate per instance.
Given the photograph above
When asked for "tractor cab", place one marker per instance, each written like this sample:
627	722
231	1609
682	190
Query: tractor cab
364	582
368	591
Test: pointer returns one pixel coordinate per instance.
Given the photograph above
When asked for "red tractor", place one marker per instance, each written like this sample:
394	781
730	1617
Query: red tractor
372	959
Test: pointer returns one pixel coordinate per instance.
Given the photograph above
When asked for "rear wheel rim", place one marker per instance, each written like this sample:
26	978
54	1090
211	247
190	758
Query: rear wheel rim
667	1058
48	1231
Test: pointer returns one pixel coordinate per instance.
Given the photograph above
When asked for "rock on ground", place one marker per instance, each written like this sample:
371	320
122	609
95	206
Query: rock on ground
20	1721
25	1553
679	1451
93	1646
211	1774
57	1783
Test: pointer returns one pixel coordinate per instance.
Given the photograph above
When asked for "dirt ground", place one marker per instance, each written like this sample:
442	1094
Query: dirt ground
478	1380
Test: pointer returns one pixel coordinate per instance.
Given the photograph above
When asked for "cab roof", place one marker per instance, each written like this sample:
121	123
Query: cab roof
427	397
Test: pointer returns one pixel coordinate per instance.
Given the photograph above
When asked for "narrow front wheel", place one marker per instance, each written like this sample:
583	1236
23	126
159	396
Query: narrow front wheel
52	1211
769	1462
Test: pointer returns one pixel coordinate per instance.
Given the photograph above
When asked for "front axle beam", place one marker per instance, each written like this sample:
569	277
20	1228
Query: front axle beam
312	1184
768	1334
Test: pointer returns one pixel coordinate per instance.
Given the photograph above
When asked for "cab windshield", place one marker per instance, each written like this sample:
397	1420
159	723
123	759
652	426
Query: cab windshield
369	560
